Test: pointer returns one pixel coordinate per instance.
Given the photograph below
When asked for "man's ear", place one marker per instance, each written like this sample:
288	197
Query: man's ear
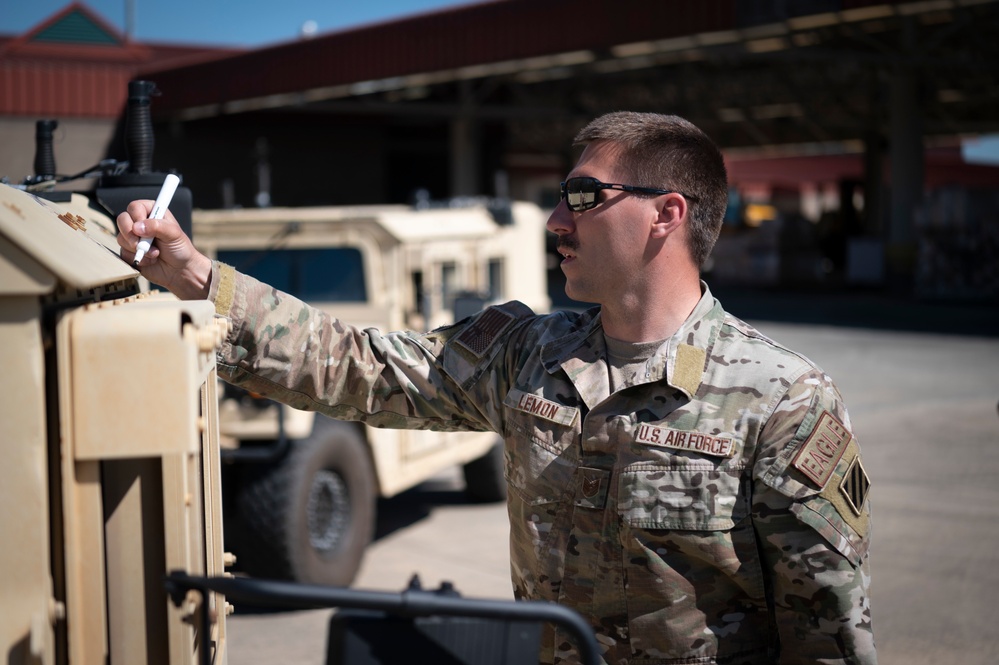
672	215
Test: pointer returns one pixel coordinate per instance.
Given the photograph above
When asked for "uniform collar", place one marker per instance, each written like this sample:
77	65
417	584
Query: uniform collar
684	355
680	361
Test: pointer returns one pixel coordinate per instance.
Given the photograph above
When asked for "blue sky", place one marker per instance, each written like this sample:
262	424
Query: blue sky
982	150
224	22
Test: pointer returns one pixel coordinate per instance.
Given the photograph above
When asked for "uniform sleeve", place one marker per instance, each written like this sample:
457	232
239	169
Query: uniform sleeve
284	349
812	514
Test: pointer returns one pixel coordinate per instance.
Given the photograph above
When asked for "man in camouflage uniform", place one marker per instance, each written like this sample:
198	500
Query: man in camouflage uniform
688	485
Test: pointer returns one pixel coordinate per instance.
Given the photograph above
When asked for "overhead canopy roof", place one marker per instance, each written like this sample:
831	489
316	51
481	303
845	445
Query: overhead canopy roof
751	74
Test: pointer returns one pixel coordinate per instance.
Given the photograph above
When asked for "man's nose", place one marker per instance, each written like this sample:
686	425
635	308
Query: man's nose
561	221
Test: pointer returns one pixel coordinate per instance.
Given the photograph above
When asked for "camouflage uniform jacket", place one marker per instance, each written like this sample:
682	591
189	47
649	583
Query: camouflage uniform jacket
713	511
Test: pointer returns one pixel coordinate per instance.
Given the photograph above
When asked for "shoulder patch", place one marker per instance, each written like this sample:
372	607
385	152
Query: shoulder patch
849	489
855	486
823	449
479	336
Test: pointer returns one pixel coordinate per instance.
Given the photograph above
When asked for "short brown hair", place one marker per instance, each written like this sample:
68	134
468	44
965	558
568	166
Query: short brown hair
668	152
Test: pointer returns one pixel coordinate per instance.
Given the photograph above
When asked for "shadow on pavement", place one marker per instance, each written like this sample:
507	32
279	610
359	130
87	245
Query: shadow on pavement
413	505
861	309
395	513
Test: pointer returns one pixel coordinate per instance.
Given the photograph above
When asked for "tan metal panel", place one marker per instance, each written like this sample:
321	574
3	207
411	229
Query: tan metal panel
20	274
135	351
211	485
25	616
82	544
52	237
134	532
143	496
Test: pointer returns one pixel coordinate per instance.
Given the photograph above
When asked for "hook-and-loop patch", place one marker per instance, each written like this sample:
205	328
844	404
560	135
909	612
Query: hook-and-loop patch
823	449
480	335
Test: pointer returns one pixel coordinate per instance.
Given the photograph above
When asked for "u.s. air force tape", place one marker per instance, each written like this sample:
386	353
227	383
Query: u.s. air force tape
697	442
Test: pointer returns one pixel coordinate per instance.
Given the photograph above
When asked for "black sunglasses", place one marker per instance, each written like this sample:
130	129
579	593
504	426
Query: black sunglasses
581	193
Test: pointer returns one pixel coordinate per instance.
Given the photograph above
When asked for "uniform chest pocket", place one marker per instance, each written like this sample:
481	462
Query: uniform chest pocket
540	458
691	497
541	461
690	548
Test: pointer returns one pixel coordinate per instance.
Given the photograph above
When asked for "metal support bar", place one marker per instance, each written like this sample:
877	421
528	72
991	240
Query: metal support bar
410	603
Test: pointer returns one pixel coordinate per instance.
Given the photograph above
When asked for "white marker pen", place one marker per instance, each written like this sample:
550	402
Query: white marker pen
159	209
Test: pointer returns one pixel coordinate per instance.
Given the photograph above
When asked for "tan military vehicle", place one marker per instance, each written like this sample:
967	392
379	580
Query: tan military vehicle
111	473
301	490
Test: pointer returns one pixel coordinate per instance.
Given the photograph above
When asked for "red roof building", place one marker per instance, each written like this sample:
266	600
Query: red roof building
74	67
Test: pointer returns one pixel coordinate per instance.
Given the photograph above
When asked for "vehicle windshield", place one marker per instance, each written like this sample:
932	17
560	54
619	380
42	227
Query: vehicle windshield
315	275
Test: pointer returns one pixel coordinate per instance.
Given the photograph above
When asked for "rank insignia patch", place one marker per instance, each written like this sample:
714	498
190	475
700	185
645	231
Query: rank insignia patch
823	449
593	484
480	335
855	486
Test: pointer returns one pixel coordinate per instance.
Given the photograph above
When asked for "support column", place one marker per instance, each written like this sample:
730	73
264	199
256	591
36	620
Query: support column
907	172
874	185
868	239
465	148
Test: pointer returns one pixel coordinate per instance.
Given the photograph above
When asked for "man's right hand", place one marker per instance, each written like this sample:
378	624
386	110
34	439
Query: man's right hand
172	261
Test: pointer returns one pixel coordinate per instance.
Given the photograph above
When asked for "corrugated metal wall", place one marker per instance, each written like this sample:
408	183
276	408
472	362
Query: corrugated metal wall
62	88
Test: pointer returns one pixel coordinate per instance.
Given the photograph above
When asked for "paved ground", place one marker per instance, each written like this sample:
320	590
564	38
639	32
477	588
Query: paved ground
924	407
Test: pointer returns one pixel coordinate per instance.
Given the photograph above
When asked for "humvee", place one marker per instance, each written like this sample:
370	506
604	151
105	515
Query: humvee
301	490
102	498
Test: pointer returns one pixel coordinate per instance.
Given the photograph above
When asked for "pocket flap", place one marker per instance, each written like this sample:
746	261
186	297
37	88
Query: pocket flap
693	498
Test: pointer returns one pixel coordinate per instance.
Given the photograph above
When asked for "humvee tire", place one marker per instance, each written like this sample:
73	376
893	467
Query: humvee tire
484	479
311	515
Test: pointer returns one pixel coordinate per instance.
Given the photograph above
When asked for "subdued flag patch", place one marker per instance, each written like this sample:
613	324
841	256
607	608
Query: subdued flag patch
479	336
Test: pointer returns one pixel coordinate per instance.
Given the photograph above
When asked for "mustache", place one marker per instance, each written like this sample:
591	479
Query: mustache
570	243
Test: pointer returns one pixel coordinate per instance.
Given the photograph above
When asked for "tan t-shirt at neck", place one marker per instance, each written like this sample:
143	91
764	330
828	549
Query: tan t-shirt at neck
627	362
